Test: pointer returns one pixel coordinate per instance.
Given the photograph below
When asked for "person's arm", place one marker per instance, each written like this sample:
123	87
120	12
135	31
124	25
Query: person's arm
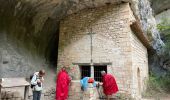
100	83
42	79
81	82
94	84
34	80
70	78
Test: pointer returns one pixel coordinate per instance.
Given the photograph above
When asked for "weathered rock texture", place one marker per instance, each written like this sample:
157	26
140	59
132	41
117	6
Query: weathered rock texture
8	95
141	9
161	63
90	94
18	62
29	30
114	42
24	48
15	95
149	25
163	15
160	5
36	21
33	24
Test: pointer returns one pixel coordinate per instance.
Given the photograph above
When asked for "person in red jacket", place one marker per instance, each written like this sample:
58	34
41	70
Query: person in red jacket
62	86
109	84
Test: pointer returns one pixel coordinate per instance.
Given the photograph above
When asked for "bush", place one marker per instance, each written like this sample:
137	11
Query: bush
164	29
157	85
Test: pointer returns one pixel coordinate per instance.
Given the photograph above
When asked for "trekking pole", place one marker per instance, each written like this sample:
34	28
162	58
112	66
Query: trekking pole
82	92
99	92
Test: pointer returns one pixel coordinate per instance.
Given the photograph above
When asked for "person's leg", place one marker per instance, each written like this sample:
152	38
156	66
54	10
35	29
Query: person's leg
35	95
39	95
114	96
107	97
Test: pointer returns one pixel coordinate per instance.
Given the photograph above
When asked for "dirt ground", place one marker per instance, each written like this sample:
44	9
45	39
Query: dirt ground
158	97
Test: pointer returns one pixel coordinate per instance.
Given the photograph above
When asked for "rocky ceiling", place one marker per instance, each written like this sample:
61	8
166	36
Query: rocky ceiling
34	23
160	5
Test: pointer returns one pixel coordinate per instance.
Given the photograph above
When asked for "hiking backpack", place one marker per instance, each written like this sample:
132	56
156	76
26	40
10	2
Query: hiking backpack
31	76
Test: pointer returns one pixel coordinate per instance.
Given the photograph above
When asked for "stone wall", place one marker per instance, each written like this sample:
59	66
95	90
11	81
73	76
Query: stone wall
75	89
15	95
111	42
16	61
139	66
8	95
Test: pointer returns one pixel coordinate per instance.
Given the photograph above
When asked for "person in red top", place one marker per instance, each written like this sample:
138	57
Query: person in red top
62	86
109	84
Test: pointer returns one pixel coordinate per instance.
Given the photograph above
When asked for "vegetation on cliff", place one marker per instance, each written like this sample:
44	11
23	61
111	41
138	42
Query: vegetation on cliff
160	84
164	28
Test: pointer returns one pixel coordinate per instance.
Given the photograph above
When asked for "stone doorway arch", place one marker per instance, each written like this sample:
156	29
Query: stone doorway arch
139	81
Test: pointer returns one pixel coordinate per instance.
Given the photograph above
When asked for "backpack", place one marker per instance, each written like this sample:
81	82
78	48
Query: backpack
31	76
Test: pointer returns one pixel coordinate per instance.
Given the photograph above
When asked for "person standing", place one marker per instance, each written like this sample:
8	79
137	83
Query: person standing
109	84
37	82
62	86
85	81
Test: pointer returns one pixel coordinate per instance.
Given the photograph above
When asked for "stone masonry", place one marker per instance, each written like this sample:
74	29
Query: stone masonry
139	66
90	94
8	95
15	95
113	42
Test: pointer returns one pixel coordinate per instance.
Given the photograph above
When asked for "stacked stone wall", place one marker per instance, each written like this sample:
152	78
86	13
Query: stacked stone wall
75	93
139	66
8	95
15	95
112	42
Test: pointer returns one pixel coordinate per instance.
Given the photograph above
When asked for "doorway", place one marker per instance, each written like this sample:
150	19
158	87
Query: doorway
139	81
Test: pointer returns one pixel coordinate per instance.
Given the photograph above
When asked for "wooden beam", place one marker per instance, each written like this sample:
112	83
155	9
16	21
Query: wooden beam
104	63
136	28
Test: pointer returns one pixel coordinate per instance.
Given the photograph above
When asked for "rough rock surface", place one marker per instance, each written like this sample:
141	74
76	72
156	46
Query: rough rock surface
15	95
161	63
31	28
162	15
38	19
18	62
160	5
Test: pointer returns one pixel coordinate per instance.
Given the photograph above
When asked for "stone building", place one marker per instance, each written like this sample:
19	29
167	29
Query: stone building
118	46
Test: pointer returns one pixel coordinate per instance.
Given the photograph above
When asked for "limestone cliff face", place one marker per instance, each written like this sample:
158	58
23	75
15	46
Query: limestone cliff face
160	5
159	64
163	15
163	59
32	28
149	25
27	41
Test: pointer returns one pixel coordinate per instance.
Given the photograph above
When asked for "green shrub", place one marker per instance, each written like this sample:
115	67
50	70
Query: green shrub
157	85
164	28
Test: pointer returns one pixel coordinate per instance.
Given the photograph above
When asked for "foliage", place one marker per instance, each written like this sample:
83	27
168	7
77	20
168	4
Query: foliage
161	84
164	25
122	96
157	85
164	28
